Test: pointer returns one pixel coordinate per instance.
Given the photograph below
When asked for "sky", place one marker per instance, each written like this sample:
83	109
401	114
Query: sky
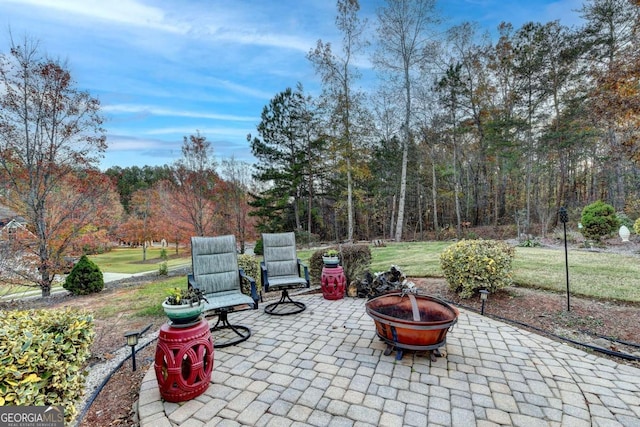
166	69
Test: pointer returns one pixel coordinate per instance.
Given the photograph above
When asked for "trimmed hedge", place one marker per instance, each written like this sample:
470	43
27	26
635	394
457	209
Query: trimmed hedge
471	265
42	354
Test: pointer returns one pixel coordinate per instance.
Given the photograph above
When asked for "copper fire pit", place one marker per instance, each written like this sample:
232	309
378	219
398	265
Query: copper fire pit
411	322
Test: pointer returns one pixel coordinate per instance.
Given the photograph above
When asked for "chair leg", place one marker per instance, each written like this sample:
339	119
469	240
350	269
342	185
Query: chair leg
223	323
285	301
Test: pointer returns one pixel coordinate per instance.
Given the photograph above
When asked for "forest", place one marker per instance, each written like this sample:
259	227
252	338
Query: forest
462	130
460	127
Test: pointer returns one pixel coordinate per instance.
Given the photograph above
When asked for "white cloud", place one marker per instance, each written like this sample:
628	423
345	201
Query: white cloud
128	12
258	38
160	111
209	132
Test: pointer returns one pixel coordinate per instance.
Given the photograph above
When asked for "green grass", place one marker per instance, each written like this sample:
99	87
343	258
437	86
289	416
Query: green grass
598	275
592	274
129	260
147	299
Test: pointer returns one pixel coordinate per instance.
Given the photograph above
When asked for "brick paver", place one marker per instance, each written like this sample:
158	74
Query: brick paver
326	367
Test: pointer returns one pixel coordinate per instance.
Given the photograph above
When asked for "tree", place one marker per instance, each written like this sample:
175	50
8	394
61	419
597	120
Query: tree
193	184
611	35
237	177
450	88
141	212
130	179
338	78
281	154
49	130
403	47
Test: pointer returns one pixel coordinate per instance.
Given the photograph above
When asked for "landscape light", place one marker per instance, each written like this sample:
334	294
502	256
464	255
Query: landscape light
132	341
484	294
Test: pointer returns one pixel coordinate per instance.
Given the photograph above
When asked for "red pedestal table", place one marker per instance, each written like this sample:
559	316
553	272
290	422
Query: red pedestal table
184	361
333	282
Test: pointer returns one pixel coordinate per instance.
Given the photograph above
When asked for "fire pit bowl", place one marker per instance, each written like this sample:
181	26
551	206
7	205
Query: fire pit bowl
411	322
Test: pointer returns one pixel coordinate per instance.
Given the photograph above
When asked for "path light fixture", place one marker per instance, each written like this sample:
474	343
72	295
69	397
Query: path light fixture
132	341
484	294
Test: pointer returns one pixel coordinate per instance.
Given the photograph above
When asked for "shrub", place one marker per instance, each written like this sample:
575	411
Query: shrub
355	260
85	278
598	220
258	249
471	265
163	254
250	265
623	219
42	353
163	269
529	243
636	226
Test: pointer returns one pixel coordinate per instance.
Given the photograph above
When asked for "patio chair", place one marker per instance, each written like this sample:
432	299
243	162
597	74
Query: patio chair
216	274
281	271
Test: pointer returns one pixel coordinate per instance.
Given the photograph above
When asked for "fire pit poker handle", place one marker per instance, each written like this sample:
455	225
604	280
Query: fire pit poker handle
414	307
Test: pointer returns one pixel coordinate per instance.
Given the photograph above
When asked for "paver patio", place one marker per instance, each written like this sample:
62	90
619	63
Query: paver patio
326	367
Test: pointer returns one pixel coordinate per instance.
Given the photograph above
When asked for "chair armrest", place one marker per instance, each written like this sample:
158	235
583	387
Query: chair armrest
254	288
306	272
191	282
264	275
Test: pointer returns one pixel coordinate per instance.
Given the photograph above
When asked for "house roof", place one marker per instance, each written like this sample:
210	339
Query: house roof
7	214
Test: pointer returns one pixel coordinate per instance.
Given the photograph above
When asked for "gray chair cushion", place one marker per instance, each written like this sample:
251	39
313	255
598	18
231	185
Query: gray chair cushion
280	255
283	270
215	271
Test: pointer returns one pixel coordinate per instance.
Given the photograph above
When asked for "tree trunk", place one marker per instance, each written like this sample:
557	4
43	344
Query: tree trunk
434	195
349	202
403	191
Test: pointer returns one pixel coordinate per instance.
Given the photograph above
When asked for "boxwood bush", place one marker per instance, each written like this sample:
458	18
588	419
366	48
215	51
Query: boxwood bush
471	265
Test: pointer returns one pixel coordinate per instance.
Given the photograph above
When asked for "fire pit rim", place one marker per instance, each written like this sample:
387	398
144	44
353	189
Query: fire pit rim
412	324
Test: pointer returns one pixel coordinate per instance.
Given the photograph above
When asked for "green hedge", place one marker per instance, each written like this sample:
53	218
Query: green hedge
42	354
471	265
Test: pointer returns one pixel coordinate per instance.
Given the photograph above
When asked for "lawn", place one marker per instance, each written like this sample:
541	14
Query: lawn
591	274
119	260
596	275
129	260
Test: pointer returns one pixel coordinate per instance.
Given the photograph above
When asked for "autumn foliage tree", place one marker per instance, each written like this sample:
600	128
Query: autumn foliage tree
49	132
193	187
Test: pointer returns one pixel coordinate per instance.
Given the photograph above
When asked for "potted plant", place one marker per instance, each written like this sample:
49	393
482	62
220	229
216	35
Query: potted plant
330	258
184	306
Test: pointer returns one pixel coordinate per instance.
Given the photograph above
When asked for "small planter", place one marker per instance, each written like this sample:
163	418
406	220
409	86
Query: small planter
183	314
330	261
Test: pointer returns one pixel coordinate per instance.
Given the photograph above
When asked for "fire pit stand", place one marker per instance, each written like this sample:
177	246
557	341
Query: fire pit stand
411	322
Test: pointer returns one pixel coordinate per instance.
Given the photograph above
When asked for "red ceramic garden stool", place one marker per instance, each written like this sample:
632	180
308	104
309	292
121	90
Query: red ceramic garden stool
333	282
184	361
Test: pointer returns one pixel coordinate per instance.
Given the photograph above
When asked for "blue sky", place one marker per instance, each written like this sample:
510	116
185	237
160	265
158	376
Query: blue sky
164	69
